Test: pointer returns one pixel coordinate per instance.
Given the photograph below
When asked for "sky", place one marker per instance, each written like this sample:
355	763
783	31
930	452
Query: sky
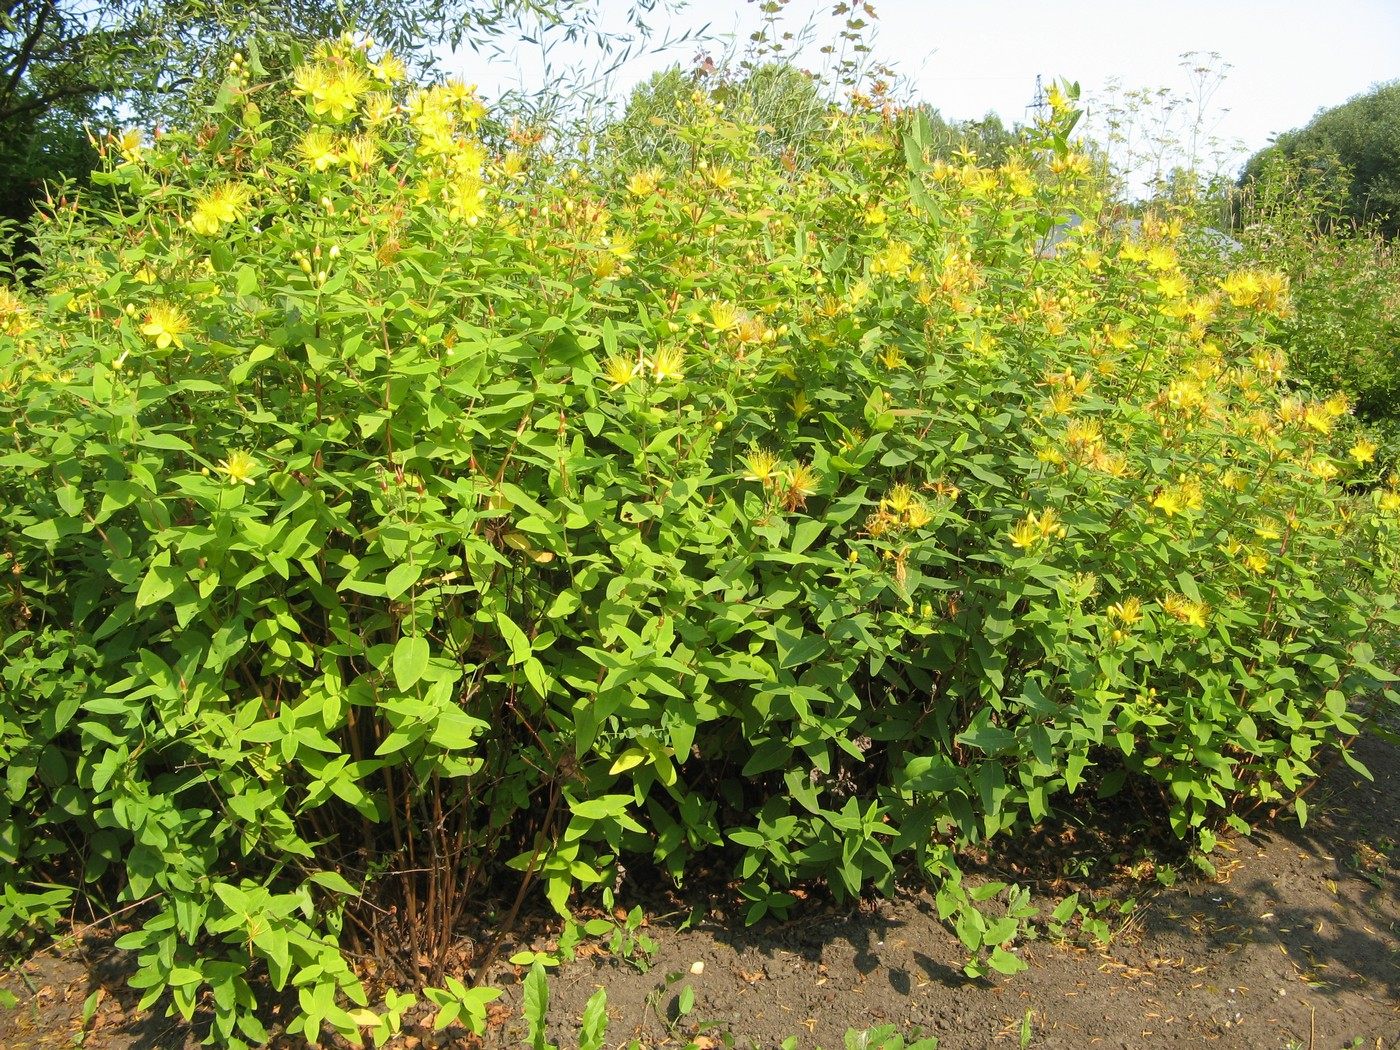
1283	59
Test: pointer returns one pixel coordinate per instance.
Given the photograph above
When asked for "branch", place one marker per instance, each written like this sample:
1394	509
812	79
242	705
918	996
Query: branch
26	51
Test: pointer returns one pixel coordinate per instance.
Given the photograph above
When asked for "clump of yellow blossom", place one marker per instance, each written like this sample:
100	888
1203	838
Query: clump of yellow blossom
330	91
1260	289
1037	528
14	318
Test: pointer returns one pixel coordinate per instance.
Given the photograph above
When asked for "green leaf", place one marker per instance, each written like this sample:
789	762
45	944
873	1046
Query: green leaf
410	660
159	583
594	1031
1003	961
334	881
514	637
401	577
536	1007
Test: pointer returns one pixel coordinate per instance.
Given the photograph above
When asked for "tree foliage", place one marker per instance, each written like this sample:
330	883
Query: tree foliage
1352	152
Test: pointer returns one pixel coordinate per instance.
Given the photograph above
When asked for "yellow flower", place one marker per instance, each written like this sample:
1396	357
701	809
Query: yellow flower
668	363
309	80
14	318
894	260
946	490
1317	417
900	498
1364	451
1161	258
801	481
1025	534
1034	528
129	145
388	69
1171	286
1256	562
1291	409
1390	501
1273	294
643	183
917	515
720	177
1114	464
164	325
240	468
1126	612
1186	610
1270	362
1323	467
319	149
361	153
379	107
1083	433
333	93
752	330
761	466
1049	524
1191	493
221	205
723	316
465	199
619	371
1168	501
1119	336
1242	288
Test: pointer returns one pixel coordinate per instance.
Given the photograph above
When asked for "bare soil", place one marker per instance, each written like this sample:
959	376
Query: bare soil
1295	943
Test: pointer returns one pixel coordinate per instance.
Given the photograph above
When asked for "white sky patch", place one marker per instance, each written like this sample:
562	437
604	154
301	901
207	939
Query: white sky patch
1287	58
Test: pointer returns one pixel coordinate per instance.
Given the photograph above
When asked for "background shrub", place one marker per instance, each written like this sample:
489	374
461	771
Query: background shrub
1344	333
386	517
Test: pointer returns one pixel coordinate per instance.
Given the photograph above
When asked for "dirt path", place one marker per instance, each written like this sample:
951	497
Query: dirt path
1297	944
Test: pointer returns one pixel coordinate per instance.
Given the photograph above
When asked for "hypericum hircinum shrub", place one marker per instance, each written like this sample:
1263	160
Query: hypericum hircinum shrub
382	513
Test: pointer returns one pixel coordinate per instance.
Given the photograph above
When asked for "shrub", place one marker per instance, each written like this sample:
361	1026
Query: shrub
382	516
1344	333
